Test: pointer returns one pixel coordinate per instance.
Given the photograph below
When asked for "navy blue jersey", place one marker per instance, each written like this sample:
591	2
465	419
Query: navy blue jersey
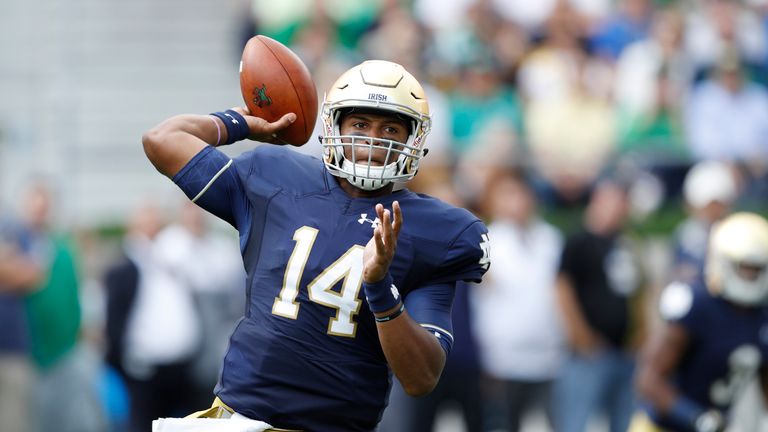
306	354
727	345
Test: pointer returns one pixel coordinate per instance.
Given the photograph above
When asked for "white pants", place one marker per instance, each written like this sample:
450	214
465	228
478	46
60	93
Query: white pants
236	423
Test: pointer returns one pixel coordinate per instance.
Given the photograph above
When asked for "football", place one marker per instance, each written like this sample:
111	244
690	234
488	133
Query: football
274	81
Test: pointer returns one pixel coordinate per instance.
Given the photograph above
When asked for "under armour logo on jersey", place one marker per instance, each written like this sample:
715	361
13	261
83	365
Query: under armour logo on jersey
485	245
395	292
364	218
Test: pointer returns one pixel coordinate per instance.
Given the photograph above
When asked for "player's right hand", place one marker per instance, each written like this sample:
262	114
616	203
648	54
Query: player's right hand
262	130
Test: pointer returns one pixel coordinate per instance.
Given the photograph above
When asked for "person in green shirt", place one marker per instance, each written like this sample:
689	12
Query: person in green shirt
64	395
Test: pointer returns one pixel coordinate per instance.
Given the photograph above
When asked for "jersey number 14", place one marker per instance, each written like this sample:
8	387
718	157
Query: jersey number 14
348	267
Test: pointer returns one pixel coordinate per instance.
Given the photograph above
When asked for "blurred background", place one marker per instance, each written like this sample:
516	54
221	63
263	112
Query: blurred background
551	96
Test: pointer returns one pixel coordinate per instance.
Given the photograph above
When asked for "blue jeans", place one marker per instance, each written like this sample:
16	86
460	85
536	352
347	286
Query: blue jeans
591	385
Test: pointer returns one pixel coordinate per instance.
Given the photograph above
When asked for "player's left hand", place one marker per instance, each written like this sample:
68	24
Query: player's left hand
380	250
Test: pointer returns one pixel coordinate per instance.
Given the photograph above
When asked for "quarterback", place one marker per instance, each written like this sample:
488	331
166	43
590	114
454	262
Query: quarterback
349	279
715	339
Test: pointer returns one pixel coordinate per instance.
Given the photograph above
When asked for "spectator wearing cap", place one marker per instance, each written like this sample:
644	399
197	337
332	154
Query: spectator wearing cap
710	189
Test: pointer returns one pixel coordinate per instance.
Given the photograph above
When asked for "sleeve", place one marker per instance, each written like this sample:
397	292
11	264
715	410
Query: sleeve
680	304
430	306
210	180
468	257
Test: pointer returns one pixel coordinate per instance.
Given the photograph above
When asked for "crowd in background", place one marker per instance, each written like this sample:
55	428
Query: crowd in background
618	108
565	89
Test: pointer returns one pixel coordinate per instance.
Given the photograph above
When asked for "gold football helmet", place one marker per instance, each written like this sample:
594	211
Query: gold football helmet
737	261
385	87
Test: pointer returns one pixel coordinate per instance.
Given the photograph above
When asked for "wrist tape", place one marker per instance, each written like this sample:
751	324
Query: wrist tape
237	128
382	295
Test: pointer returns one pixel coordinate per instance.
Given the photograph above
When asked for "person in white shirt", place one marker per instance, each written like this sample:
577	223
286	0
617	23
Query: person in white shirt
515	318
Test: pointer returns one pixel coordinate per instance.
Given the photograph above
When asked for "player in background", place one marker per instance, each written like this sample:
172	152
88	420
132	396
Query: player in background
714	338
348	278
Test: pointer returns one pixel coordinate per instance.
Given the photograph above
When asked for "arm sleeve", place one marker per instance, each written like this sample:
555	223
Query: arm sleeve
468	257
692	320
210	180
681	304
430	306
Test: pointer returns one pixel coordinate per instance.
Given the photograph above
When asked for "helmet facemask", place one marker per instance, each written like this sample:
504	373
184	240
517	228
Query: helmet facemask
343	160
744	289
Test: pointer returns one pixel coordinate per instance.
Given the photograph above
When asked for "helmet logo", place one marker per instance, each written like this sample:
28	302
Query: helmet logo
377	97
260	96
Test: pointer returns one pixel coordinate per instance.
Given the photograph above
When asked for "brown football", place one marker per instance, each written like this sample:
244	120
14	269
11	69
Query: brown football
274	81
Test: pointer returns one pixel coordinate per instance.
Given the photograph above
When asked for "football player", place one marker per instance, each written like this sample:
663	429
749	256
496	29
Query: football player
349	278
715	337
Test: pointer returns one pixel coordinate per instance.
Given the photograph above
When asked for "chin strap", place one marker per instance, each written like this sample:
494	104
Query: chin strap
368	178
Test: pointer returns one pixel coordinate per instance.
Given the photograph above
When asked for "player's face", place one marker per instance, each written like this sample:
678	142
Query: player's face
374	126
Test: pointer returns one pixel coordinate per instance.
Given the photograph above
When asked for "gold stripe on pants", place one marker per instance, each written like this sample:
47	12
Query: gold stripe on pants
220	410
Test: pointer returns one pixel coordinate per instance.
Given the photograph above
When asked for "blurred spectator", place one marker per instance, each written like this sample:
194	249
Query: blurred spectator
439	15
717	26
652	80
398	37
569	122
153	330
485	116
628	23
279	21
509	45
515	320
570	140
18	274
480	99
350	19
653	141
479	95
532	15
710	189
599	288
641	63
65	392
210	267
727	116
496	148
549	70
